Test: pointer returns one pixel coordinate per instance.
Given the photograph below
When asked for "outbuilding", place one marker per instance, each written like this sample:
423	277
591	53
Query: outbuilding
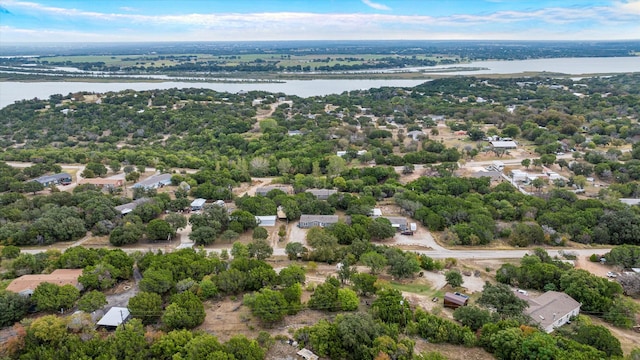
154	182
321	194
114	317
309	221
502	144
266	221
198	204
455	300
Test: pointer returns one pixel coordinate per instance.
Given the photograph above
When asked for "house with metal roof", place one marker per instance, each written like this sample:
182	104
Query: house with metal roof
398	222
551	309
266	221
114	317
455	300
129	207
309	221
503	144
55	179
321	194
154	182
198	204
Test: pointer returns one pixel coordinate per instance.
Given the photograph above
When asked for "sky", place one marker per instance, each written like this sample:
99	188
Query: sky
257	20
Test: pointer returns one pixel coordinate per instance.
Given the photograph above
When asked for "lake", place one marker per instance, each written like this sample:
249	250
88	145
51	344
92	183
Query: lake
13	91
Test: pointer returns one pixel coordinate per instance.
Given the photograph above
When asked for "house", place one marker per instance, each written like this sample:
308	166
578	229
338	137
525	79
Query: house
129	207
397	222
103	183
55	179
264	190
415	134
455	300
265	221
114	317
504	144
307	354
154	182
322	194
309	221
26	284
551	309
375	212
198	204
294	132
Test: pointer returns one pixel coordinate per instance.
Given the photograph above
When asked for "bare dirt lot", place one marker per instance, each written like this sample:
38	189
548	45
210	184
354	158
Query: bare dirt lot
582	262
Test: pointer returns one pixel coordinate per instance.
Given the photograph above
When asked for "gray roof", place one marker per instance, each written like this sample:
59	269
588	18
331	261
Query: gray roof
198	202
54	177
396	220
114	317
321	192
319	218
630	201
154	180
283	187
543	308
504	144
129	207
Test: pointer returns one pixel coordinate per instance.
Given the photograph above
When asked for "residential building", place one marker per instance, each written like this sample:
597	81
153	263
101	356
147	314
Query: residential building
55	179
307	354
551	309
503	144
129	207
263	190
321	194
399	223
26	284
309	221
103	183
154	182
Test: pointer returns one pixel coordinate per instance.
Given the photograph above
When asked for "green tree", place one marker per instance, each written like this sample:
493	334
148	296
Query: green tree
380	229
402	265
204	235
239	347
146	306
502	299
292	274
348	300
177	221
599	337
365	284
51	297
157	280
526	163
185	311
391	307
260	233
92	301
325	296
267	305
129	233
239	250
32	187
10	252
375	261
473	316
294	250
454	278
13	307
159	229
129	341
97	168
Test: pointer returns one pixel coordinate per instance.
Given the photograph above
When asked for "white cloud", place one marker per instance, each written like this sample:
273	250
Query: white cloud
630	6
376	6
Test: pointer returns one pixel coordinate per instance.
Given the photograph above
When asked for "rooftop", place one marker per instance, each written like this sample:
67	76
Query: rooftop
114	317
154	180
54	177
59	277
550	306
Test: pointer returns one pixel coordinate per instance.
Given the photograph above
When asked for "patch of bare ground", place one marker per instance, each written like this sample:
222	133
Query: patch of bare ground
596	268
453	352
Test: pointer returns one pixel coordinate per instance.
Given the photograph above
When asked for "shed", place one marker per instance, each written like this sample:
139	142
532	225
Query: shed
198	204
264	221
54	179
455	300
307	354
376	212
114	317
399	223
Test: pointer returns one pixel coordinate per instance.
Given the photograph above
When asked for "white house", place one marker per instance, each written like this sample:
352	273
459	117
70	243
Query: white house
504	144
551	309
154	182
309	221
198	204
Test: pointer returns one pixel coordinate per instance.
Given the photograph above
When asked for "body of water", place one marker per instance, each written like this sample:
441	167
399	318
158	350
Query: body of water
14	91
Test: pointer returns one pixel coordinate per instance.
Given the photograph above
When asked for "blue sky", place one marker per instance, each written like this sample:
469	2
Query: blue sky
246	20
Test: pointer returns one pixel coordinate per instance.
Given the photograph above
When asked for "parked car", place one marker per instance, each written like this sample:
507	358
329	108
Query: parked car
407	232
611	274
